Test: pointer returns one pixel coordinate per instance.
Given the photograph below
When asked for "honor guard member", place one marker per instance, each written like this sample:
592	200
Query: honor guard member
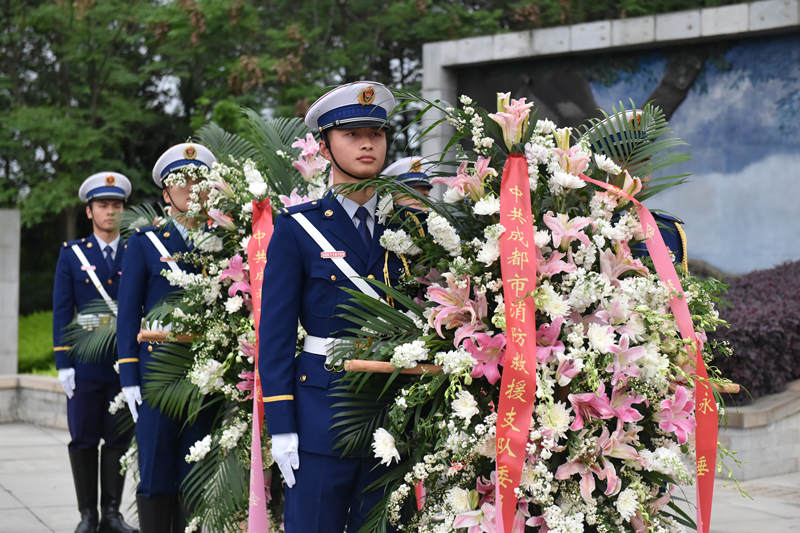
88	269
413	172
317	249
615	137
163	442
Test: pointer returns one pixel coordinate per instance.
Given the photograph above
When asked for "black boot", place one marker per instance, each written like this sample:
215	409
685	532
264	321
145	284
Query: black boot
84	474
111	483
180	516
155	514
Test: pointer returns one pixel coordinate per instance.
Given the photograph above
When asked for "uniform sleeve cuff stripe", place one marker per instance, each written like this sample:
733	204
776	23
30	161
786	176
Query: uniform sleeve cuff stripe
129	360
279	398
60	348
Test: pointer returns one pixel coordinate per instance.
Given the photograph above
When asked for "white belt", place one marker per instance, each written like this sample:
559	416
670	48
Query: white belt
320	346
90	321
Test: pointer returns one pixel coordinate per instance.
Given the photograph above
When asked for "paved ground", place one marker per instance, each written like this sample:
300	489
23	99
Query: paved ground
37	495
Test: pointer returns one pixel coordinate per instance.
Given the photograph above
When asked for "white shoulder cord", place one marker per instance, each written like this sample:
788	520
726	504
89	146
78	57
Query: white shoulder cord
89	268
163	251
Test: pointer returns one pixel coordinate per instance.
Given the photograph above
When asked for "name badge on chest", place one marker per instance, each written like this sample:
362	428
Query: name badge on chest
333	254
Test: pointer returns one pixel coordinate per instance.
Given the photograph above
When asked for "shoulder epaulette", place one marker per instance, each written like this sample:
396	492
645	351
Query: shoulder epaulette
300	208
76	241
143	229
668	218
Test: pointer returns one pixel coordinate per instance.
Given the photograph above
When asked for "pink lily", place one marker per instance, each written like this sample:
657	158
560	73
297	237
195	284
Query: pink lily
622	404
482	168
489	352
573	160
222	186
553	265
221	220
479	521
293	199
467	183
614	264
512	118
236	272
567	369
587	473
547	343
456	309
590	405
632	186
248	382
565	230
639	523
617	444
624	356
310	167
675	415
309	145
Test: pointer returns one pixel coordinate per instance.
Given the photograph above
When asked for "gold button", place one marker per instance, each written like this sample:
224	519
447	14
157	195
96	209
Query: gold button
110	281
303	378
370	277
333	277
89	245
125	246
314	202
329	213
87	280
166	235
149	348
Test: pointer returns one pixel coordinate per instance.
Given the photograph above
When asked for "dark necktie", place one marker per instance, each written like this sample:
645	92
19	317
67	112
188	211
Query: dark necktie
109	260
363	230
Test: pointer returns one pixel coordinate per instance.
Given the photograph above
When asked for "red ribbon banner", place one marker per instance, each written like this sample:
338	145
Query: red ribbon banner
257	521
518	385
704	404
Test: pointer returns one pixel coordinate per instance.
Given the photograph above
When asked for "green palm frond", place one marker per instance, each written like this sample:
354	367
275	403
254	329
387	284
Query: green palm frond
92	345
270	137
164	308
165	383
643	146
377	519
226	145
219	485
136	216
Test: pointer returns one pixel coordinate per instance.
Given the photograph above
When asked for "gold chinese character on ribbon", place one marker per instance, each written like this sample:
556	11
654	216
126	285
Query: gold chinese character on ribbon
261	256
517	192
518	235
509	419
517	310
517	258
518	336
516	215
516	390
258	235
504	447
705	406
702	466
518	363
520	285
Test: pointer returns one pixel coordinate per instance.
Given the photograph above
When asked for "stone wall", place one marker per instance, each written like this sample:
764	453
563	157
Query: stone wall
37	400
9	289
765	435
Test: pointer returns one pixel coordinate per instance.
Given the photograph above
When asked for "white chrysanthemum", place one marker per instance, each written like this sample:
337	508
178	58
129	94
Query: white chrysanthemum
556	417
458	500
627	504
409	354
545	127
199	450
565	181
209	243
465	406
455	361
399	242
488	205
452	195
255	181
444	234
601	337
193	525
542	238
383	447
233	304
605	164
490	248
549	301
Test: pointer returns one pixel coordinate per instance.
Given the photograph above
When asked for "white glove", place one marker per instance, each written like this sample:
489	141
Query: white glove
66	376
133	396
284	451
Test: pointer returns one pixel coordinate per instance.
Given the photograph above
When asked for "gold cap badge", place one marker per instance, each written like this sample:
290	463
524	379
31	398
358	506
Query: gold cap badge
366	96
189	152
110	180
416	166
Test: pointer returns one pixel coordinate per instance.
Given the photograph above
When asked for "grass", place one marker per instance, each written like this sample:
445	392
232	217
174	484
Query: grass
35	351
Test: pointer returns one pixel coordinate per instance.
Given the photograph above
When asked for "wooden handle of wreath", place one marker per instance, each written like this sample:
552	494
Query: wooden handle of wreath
727	388
382	367
154	336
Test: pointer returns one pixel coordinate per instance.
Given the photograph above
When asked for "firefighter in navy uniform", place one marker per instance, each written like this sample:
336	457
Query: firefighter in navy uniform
87	270
162	442
411	171
317	249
